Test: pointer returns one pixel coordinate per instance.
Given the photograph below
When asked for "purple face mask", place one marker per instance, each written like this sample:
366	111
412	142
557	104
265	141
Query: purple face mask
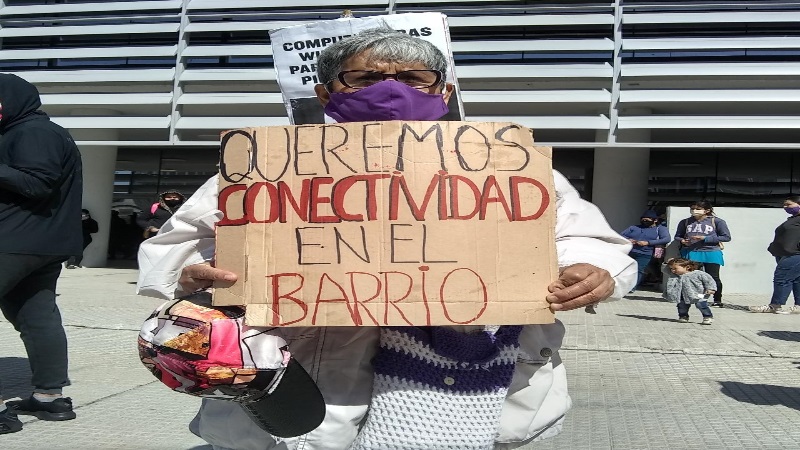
793	210
387	100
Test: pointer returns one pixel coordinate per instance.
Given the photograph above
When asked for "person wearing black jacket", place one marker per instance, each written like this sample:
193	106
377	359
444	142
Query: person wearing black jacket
168	203
40	204
89	226
785	247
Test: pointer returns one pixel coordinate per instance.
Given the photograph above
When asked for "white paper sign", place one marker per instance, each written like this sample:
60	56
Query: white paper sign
295	51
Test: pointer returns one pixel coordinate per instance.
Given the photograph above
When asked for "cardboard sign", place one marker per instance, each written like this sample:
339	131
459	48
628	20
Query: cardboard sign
387	223
295	51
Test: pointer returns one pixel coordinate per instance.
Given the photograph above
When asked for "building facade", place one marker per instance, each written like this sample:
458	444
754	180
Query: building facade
646	102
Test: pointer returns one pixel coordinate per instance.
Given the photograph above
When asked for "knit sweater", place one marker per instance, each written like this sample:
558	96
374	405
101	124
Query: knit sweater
687	287
436	388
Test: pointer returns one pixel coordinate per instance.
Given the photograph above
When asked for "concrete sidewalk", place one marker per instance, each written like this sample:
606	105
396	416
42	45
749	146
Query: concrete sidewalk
638	378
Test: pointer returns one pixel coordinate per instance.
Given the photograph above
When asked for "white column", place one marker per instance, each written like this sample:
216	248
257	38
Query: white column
99	163
620	179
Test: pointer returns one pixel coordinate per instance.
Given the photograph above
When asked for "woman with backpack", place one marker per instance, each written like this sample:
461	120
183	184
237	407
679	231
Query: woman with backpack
701	237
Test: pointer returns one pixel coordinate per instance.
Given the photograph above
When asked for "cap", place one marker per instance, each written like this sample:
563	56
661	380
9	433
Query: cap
209	352
649	214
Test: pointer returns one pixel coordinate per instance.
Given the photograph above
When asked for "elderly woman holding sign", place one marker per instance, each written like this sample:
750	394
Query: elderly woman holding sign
512	385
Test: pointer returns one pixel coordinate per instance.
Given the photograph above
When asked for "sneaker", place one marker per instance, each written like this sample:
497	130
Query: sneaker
70	266
707	321
775	309
58	409
9	423
794	309
683	319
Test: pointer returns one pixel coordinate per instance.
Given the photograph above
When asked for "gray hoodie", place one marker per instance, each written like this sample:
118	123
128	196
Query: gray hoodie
687	287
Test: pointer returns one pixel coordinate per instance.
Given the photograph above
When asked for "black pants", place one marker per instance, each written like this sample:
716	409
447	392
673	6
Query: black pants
713	270
76	260
28	301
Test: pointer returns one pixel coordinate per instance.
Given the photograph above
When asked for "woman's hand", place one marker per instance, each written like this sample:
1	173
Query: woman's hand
202	276
579	285
642	243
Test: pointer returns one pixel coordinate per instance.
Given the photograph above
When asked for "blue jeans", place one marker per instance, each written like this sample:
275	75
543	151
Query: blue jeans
642	261
683	309
786	280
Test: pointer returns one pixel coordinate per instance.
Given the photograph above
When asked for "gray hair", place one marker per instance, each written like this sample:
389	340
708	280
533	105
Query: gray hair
383	44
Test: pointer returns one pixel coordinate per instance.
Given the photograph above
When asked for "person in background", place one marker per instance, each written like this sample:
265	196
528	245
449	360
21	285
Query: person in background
687	285
645	237
88	227
785	247
168	203
701	236
41	185
116	235
654	273
133	235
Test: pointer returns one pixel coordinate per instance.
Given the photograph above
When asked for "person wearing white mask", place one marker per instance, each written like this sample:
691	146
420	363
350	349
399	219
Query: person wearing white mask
701	237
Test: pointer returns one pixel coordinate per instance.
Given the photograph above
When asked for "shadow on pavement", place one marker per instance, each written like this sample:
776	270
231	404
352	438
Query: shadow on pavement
15	375
647	299
202	447
762	394
658	319
736	307
792	336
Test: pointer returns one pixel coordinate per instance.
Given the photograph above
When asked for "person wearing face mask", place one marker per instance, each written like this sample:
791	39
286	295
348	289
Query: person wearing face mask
381	74
701	237
168	203
645	237
785	247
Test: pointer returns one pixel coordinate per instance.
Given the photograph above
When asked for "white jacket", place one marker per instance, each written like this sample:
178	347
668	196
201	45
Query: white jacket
338	358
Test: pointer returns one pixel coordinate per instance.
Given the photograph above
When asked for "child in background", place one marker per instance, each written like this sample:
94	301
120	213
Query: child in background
687	285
